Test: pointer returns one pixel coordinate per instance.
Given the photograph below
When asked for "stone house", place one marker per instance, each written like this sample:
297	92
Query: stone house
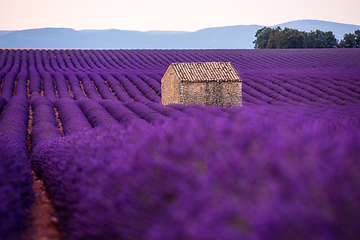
205	83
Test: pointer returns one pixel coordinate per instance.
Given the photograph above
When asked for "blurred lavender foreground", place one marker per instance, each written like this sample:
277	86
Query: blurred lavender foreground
243	177
117	164
16	193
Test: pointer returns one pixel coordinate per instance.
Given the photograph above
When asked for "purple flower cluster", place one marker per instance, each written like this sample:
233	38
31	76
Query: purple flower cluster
95	113
75	86
102	86
166	111
88	86
35	79
146	113
13	121
71	116
62	85
144	87
128	86
45	127
117	88
16	194
121	113
6	62
9	79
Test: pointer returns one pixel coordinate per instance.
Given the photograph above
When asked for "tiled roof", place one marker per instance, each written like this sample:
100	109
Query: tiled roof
206	72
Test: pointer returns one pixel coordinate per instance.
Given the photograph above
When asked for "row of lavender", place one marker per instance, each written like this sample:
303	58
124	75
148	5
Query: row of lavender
16	194
99	60
73	91
269	77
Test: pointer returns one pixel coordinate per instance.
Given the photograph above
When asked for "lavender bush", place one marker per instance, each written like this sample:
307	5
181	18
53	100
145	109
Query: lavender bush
16	193
88	86
71	116
44	125
95	113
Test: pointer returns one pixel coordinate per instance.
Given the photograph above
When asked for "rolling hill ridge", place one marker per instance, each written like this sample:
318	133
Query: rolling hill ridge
229	37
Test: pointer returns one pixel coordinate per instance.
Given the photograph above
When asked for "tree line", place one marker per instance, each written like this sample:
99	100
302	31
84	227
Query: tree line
291	38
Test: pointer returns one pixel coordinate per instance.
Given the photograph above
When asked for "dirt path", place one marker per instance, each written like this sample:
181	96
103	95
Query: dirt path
43	220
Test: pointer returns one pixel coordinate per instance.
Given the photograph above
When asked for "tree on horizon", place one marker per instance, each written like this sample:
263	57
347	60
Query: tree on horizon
351	40
276	38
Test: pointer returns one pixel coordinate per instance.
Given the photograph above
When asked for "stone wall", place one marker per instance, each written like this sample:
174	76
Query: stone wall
224	94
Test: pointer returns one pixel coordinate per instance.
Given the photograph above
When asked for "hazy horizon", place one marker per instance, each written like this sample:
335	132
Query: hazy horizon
174	31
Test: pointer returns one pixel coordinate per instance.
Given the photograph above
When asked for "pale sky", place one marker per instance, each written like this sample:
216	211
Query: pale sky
181	15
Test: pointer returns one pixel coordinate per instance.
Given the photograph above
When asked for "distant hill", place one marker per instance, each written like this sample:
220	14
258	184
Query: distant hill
338	29
230	37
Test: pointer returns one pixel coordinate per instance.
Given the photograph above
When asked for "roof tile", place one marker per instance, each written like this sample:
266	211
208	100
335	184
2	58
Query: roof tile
206	72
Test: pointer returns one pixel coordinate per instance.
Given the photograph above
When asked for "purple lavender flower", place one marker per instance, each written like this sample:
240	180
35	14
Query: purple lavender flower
16	193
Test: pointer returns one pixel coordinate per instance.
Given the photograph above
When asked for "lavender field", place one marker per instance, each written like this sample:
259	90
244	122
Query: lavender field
117	164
